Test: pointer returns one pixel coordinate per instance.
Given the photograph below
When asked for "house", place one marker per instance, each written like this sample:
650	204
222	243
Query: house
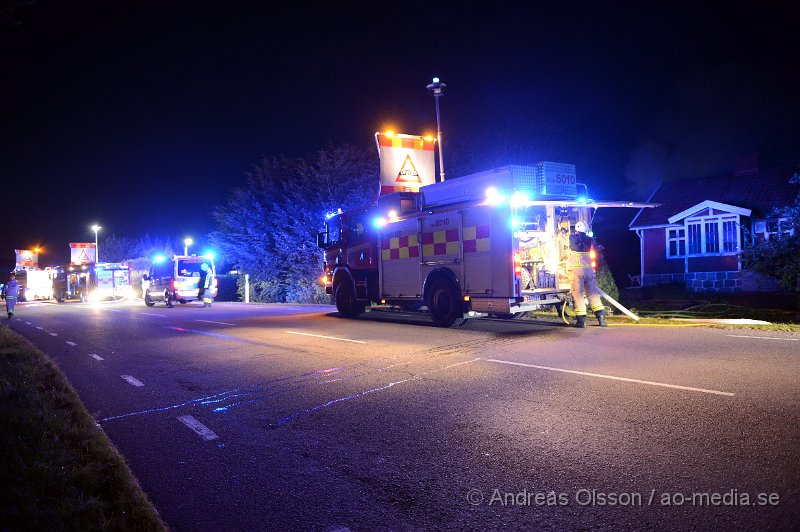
696	233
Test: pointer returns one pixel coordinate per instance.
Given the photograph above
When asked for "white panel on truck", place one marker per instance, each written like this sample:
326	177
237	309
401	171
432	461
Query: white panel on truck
400	259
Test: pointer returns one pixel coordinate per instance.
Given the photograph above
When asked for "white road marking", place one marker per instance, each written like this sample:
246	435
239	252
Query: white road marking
217	322
327	337
200	429
53	334
73	344
29	323
151	314
40	328
132	380
96	357
624	379
764	337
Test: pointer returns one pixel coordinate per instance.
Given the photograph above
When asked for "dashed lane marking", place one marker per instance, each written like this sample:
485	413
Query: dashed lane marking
132	380
326	337
73	344
764	337
53	334
200	429
216	322
151	314
40	328
96	357
28	323
612	377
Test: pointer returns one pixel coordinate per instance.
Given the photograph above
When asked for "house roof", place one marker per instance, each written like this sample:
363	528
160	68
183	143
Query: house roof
759	191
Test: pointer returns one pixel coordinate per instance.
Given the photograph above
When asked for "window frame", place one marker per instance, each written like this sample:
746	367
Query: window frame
700	225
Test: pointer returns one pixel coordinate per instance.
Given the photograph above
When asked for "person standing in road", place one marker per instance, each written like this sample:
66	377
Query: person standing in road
206	284
582	276
10	294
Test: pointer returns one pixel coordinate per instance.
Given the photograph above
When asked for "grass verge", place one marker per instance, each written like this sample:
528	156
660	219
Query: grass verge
59	470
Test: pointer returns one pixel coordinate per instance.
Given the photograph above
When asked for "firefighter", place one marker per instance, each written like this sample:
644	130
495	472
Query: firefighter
582	276
207	283
10	294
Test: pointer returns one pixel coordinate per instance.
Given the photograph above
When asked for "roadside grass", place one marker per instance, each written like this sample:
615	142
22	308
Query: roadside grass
59	471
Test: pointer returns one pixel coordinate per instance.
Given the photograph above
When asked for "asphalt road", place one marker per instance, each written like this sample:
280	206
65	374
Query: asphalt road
277	417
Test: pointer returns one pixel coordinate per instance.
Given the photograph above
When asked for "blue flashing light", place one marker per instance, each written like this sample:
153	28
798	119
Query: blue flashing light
379	222
209	255
493	197
519	199
590	234
516	223
158	259
582	199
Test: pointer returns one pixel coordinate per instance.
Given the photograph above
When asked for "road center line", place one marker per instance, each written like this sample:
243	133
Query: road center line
53	334
96	357
73	344
29	323
612	377
763	337
327	337
200	429
40	328
151	314
132	380
217	322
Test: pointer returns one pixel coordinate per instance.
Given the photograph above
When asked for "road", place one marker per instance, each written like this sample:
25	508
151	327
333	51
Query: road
264	417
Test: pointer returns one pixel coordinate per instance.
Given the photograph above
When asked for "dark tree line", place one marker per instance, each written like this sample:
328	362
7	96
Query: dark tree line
267	227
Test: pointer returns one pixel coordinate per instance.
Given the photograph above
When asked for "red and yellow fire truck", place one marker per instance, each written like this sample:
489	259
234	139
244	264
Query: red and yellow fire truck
492	243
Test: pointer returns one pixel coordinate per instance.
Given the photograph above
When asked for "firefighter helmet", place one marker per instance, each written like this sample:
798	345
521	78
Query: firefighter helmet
580	227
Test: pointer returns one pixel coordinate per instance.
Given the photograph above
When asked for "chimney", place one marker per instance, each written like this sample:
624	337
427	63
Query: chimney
746	163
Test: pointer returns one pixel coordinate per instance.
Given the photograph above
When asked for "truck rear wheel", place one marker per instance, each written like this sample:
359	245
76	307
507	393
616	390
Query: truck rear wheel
147	301
346	302
444	303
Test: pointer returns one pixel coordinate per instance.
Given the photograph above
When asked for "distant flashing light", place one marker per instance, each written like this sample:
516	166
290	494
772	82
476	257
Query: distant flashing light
582	199
590	234
379	222
158	259
436	80
392	215
493	197
209	255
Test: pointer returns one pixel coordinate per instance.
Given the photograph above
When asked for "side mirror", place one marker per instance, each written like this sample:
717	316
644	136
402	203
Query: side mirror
322	240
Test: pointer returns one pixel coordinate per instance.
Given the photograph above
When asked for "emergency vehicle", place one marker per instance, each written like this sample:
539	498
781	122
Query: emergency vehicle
92	282
493	243
176	279
34	283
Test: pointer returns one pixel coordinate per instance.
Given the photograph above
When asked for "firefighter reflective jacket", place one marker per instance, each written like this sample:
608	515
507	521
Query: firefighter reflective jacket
580	251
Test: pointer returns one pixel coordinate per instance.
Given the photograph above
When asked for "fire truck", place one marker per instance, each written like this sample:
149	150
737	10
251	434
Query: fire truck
92	282
493	243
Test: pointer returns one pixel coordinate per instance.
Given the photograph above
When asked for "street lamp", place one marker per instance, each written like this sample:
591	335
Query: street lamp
96	228
437	88
186	243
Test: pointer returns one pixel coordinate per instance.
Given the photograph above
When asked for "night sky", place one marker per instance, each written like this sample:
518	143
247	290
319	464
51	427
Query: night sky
140	116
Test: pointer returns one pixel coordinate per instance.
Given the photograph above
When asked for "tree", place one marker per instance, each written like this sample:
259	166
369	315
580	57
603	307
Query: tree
268	226
778	257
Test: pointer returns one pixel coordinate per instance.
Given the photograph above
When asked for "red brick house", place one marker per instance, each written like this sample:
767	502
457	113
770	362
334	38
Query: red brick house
696	234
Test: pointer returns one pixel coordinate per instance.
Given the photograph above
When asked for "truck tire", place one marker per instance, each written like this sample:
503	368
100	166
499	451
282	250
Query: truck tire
346	302
168	299
147	301
444	303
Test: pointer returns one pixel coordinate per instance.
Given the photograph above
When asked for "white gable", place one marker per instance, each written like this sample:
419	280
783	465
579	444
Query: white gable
708	204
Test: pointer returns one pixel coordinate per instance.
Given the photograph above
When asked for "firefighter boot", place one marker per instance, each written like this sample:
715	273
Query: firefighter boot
601	318
581	323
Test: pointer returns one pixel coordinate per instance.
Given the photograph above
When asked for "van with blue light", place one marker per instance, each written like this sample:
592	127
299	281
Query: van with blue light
176	279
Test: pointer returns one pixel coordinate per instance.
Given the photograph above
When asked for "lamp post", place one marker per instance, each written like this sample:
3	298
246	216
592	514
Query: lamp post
437	88
96	228
186	243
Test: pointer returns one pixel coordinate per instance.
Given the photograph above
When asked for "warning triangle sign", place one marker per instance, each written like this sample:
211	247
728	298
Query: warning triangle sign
408	172
83	257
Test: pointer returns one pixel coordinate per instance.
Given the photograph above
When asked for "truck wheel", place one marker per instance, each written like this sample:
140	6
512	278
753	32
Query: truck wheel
346	302
444	303
168	299
147	301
